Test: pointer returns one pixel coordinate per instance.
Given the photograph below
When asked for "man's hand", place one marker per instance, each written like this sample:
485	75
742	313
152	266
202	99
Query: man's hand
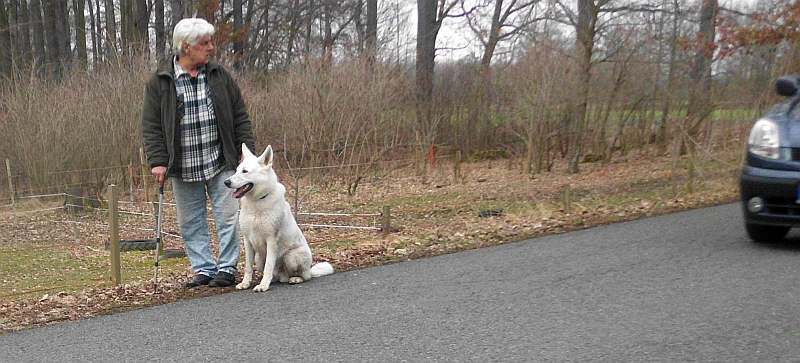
160	174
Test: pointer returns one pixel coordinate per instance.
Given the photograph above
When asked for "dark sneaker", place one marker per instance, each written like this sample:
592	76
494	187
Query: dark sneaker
223	279
198	280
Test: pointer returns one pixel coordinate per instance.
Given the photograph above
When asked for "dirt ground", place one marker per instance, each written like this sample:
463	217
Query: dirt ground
55	265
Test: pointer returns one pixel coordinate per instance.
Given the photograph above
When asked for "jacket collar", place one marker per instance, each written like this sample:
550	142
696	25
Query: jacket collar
167	69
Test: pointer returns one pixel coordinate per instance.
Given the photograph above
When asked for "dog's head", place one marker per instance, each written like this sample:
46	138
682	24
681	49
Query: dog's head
254	175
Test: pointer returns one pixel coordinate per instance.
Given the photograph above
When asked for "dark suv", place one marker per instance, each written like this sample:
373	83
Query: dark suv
770	179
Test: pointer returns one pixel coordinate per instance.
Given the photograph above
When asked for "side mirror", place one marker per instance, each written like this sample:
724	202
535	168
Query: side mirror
786	86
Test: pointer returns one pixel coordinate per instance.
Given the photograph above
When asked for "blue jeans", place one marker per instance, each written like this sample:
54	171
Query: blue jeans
190	198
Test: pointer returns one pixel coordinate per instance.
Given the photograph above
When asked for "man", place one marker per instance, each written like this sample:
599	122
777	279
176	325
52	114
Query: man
194	122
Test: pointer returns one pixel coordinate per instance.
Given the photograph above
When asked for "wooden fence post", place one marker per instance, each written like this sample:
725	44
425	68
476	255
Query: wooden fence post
457	167
387	220
130	180
568	199
10	181
113	222
143	161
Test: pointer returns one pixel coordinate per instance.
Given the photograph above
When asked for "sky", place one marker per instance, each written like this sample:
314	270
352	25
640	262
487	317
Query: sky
456	40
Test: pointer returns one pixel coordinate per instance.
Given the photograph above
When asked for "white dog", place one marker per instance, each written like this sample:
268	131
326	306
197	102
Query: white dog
272	237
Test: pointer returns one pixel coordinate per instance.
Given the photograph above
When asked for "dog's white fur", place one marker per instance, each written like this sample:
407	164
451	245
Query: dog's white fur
273	241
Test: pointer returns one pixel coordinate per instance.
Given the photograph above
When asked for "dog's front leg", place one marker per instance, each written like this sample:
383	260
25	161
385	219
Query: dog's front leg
247	280
269	266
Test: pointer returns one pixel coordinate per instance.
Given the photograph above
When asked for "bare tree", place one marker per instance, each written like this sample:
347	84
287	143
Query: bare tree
158	24
37	31
94	34
111	29
508	18
129	37
13	27
139	23
428	26
660	127
700	106
294	13
346	13
372	31
238	29
24	33
430	15
585	28
102	41
53	49
5	42
64	30
80	32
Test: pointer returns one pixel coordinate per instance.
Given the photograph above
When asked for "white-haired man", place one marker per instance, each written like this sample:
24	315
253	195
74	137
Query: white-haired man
193	124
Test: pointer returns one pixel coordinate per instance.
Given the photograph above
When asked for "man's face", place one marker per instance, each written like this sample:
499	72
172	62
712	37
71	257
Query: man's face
202	51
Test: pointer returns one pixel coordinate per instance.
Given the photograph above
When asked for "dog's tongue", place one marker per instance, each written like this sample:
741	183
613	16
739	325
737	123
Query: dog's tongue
240	192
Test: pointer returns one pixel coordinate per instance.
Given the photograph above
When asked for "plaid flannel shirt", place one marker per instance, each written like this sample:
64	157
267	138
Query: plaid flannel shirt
199	155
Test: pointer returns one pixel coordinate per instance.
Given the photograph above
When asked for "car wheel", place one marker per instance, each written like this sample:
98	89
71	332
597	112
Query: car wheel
763	233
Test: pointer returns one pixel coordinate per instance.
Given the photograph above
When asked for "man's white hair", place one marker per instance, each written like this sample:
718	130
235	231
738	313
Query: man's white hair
190	31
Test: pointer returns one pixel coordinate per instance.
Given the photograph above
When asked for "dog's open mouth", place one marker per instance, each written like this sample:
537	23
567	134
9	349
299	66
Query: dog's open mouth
241	191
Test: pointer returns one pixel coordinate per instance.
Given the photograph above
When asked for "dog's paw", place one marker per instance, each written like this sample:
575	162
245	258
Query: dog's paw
243	286
261	288
296	280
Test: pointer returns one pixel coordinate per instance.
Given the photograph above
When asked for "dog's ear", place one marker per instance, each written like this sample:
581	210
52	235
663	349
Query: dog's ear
266	157
246	151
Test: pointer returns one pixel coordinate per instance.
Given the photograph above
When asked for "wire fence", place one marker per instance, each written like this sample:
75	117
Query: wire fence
78	205
64	219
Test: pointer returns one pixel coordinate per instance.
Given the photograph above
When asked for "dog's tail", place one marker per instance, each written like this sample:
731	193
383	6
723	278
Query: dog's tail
321	269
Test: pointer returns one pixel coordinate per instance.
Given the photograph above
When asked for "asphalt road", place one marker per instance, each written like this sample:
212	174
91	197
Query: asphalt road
686	286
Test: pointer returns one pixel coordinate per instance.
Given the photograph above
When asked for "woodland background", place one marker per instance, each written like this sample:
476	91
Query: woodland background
352	82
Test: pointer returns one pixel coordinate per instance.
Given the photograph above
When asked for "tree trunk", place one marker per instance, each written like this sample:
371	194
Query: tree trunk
491	43
699	107
661	125
66	46
139	34
238	30
53	50
62	33
5	42
125	25
176	9
327	40
111	30
80	33
158	23
294	15
309	23
372	31
427	31
13	29
24	33
584	45
94	34
37	30
359	25
102	42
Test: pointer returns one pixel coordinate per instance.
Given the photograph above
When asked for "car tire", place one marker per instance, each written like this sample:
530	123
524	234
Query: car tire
764	233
